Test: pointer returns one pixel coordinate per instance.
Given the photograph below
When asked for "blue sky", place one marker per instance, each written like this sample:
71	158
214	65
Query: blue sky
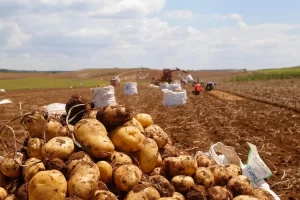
190	34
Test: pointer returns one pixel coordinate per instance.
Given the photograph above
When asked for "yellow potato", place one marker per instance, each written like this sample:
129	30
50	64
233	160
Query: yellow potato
35	123
34	148
33	166
136	123
145	119
52	129
10	167
182	165
127	176
58	147
157	134
74	159
119	157
105	171
3	193
104	195
141	191
182	183
204	177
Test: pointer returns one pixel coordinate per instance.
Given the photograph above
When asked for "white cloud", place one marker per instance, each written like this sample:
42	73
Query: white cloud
182	14
234	16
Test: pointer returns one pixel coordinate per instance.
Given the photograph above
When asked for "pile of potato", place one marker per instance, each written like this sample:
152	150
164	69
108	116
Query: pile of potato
109	154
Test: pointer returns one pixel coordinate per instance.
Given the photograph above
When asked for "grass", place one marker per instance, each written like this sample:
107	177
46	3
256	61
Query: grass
39	83
269	74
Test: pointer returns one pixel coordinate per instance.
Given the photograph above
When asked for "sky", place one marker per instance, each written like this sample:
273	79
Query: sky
188	34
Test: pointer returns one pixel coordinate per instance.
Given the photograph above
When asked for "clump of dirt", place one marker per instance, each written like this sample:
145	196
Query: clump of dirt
79	111
57	164
197	192
22	192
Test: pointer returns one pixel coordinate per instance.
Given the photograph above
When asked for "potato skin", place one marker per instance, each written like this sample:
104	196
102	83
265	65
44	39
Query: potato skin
105	171
219	193
92	135
145	119
44	183
240	185
34	148
182	165
34	165
261	194
104	195
52	129
147	155
245	197
74	159
126	177
83	180
233	170
220	174
35	123
205	161
9	167
157	134
136	123
126	138
162	185
58	147
204	177
120	158
197	192
178	196
3	193
182	183
140	191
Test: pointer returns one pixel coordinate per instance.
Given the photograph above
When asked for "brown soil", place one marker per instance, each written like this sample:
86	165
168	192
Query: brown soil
203	121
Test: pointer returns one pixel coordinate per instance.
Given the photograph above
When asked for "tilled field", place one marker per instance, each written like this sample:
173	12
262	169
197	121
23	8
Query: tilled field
204	120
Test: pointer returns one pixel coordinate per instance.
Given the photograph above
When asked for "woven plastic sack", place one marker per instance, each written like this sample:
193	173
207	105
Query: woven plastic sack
103	96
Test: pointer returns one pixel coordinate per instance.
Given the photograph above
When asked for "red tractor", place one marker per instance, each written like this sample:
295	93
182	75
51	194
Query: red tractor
167	74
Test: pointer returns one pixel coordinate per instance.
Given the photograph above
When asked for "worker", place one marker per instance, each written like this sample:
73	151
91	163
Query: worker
197	89
210	86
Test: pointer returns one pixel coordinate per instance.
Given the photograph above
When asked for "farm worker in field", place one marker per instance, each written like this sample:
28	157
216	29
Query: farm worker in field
210	86
197	89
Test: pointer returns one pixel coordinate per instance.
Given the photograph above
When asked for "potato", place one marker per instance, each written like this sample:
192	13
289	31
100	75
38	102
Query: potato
74	159
35	122
104	195
58	147
90	114
182	183
105	171
10	167
144	192
83	180
157	134
114	116
157	171
197	192
22	192
47	185
136	123
92	135
34	148
182	165
205	161
240	185
178	196
147	155
233	170
204	177
159	160
126	138
245	197
3	193
218	193
167	198
261	194
66	131
127	176
169	151
10	197
119	157
162	185
144	119
33	166
52	129
220	174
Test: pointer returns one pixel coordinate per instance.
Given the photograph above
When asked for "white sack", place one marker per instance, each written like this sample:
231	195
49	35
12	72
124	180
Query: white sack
174	98
56	109
5	101
189	78
131	88
2	90
174	86
163	86
104	96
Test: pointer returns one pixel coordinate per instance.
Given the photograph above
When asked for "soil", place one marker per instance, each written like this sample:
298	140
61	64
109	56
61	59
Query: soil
203	121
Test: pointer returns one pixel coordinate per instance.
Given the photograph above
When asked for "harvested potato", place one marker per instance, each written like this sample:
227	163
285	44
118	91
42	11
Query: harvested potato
34	148
83	180
233	170
119	158
114	116
126	138
105	171
220	174
104	195
182	165
197	192
58	147
261	194
144	119
205	161
204	177
35	122
3	193
157	134
77	111
245	197
218	193
169	151
74	159
167	198
136	123
147	155
182	183
33	166
44	183
92	135
52	129
66	131
144	192
157	171
162	185
178	196
240	185
127	176
90	114
159	160
10	167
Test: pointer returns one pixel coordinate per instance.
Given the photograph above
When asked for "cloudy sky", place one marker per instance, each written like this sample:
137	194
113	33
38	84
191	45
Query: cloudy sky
189	34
